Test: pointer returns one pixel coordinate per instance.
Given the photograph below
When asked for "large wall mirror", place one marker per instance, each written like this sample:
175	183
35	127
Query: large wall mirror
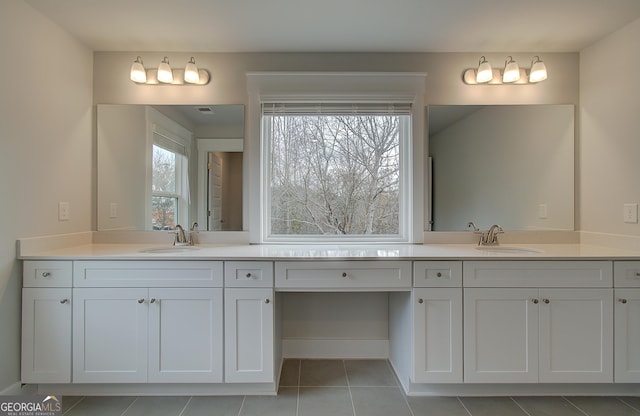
162	165
511	165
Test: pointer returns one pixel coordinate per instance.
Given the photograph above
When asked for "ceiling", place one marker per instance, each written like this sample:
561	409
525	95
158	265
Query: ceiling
339	25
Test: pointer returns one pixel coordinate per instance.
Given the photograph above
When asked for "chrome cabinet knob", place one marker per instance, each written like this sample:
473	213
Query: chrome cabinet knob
248	276
63	301
546	301
46	274
420	300
344	274
140	300
267	300
623	301
154	300
535	301
438	274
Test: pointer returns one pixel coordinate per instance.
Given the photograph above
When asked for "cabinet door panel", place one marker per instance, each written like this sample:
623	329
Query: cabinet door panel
627	335
46	335
576	335
185	335
438	335
110	335
500	333
249	335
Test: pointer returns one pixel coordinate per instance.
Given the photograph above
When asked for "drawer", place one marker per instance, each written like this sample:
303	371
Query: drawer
626	273
47	273
537	274
437	273
248	274
147	273
343	275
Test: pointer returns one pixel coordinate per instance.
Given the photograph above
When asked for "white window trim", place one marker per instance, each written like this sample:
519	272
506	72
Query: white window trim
337	87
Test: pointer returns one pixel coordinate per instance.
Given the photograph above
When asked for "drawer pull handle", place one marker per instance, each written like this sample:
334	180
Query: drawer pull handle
439	274
46	274
248	276
267	300
546	301
344	274
154	300
623	301
140	300
420	300
535	301
63	301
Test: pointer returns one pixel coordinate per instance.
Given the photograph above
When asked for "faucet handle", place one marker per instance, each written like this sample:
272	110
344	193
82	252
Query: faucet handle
472	226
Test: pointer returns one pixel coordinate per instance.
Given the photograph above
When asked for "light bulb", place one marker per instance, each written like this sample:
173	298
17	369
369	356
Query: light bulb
165	74
138	73
191	74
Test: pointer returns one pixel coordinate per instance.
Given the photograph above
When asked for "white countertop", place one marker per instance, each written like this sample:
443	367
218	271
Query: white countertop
331	252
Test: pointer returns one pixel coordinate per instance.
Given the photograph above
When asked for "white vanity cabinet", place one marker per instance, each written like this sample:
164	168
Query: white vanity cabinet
437	322
627	321
46	322
553	324
249	322
128	328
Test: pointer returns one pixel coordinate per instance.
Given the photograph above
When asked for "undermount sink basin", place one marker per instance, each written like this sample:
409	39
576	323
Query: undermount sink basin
509	249
172	249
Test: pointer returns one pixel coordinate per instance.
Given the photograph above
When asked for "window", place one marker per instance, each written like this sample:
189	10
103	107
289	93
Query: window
169	184
336	171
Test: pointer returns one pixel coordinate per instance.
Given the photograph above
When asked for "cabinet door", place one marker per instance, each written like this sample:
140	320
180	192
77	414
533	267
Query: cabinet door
110	335
627	335
437	332
500	335
46	335
576	335
185	335
249	335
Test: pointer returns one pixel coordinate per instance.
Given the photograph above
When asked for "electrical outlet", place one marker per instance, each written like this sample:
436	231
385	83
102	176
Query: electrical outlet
631	213
64	213
542	211
113	210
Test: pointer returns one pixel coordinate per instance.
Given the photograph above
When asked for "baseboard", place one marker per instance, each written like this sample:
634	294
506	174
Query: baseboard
335	348
516	389
18	389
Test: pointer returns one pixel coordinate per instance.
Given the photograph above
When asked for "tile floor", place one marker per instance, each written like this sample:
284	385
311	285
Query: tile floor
347	388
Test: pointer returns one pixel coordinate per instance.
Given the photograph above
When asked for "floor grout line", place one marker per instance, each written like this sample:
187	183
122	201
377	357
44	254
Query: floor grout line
129	407
622	399
244	398
346	376
298	391
463	405
185	406
518	404
74	405
575	405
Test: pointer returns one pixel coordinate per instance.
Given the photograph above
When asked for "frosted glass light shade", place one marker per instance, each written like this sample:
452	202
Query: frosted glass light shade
165	74
485	72
538	70
511	71
191	74
138	73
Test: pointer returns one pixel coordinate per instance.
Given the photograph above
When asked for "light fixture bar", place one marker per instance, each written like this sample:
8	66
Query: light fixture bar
186	76
536	74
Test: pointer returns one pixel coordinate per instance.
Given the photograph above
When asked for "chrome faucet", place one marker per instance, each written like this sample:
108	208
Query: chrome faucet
194	230
491	238
181	238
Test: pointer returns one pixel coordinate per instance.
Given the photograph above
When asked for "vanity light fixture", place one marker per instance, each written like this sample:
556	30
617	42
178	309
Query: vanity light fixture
511	70
511	74
538	70
165	75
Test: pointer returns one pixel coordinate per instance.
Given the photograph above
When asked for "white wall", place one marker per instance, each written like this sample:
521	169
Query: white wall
45	150
609	147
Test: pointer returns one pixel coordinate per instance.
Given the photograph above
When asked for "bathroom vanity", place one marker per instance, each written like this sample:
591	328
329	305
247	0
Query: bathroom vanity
100	318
